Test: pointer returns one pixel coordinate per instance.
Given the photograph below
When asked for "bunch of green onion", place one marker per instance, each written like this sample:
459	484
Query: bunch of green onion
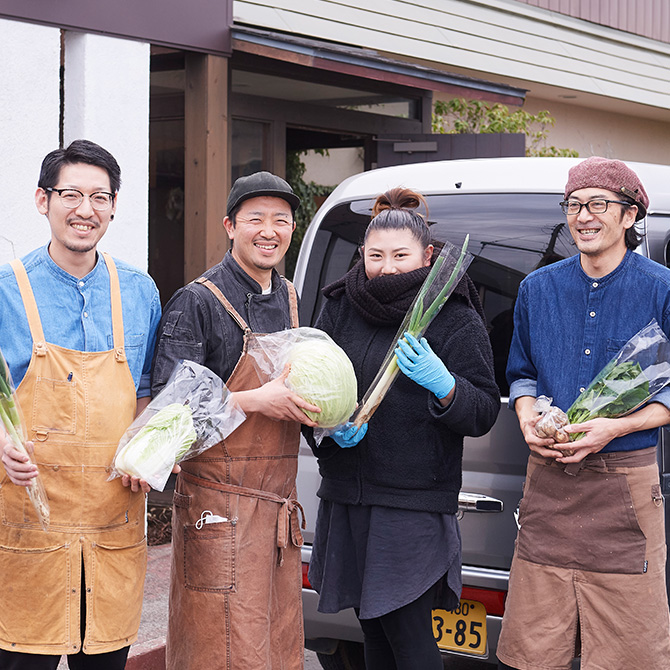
10	414
416	322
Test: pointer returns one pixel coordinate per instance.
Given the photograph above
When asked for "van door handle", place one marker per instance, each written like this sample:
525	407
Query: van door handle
477	502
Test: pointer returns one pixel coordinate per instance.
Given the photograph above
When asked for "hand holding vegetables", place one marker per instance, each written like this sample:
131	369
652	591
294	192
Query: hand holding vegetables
192	413
320	382
420	363
349	435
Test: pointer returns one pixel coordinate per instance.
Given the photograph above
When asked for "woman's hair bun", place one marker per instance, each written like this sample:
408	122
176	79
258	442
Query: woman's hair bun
398	198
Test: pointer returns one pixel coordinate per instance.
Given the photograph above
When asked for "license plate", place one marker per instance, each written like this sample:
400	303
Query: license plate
462	629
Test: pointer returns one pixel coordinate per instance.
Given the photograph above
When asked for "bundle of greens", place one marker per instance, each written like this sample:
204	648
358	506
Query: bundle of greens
192	413
632	378
619	389
446	272
10	413
321	372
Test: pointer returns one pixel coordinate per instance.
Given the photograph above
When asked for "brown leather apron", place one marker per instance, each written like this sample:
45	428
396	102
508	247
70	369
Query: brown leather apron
235	585
76	406
583	517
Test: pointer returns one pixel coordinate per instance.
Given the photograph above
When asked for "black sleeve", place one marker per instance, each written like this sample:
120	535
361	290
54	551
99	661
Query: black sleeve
181	335
467	354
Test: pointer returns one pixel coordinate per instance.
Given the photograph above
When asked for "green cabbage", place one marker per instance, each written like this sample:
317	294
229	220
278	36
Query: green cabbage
322	374
160	443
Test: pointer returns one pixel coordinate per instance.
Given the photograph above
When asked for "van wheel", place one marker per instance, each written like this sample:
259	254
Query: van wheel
347	656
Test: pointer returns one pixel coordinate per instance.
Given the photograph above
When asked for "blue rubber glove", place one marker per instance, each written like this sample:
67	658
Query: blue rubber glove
418	361
349	435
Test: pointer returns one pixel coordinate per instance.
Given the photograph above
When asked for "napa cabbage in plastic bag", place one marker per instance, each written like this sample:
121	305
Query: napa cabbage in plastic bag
192	413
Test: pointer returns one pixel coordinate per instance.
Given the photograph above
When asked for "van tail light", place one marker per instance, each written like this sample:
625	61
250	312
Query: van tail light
493	601
305	579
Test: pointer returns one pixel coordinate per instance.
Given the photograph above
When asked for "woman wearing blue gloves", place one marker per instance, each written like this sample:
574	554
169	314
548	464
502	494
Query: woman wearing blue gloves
387	541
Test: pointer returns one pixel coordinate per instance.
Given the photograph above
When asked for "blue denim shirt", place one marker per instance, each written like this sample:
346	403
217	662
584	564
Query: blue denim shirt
568	326
77	313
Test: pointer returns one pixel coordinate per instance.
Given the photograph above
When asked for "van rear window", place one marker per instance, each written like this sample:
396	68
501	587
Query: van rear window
510	236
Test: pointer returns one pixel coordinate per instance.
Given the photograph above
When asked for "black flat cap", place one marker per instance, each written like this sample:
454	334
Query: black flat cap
259	184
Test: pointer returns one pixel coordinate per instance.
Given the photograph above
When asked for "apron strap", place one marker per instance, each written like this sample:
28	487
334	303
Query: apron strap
117	312
288	526
225	302
30	306
293	303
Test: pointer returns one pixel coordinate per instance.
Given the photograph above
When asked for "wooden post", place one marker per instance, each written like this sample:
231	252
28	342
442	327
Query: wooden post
207	162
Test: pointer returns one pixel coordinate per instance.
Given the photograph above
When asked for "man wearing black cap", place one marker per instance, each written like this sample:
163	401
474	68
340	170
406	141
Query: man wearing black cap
588	573
235	588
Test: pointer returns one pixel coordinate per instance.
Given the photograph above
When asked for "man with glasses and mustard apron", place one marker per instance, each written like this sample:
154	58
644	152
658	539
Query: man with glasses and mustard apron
77	329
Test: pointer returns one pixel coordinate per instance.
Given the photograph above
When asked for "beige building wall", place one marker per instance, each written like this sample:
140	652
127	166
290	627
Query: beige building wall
594	132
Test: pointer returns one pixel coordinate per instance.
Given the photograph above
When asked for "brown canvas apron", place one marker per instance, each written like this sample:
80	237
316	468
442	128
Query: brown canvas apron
583	518
76	406
235	585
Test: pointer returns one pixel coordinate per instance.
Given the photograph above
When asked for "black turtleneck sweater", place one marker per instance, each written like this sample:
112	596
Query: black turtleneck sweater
411	457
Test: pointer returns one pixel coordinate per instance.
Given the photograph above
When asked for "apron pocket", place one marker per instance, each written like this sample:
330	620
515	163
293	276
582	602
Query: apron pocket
587	522
55	406
115	587
35	595
209	557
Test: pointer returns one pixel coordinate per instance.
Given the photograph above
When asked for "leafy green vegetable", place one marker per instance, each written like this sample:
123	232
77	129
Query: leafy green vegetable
10	415
617	390
322	374
164	439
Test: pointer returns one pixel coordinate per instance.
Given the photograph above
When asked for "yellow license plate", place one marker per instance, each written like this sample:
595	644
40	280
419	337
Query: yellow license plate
462	629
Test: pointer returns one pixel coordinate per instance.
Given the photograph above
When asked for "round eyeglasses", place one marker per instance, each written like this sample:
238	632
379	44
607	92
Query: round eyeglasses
72	198
573	207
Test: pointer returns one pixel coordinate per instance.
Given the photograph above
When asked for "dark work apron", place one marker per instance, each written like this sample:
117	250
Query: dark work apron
583	517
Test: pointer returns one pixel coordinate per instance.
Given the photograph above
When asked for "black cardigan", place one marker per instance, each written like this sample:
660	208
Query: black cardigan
411	457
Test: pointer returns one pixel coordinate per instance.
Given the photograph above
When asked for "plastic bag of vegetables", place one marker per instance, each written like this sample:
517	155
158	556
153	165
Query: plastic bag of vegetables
12	420
192	413
631	379
321	372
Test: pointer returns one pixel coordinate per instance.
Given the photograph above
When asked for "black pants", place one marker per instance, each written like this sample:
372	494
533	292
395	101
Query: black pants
403	639
112	660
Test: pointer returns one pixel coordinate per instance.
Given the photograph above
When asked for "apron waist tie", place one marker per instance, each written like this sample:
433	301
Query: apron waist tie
288	524
602	462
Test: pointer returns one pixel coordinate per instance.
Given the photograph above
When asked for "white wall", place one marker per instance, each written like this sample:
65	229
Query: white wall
29	109
107	101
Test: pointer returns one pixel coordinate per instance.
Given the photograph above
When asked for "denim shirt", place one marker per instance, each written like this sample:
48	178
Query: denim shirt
77	313
568	326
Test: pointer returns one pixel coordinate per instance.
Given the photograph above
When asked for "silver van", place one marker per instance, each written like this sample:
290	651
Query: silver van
509	206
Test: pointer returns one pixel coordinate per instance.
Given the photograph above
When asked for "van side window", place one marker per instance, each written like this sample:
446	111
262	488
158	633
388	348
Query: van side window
510	236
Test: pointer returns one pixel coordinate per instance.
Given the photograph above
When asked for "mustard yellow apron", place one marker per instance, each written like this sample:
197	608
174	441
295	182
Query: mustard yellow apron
76	406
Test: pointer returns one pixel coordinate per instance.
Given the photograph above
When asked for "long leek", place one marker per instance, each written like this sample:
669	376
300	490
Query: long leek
416	322
10	415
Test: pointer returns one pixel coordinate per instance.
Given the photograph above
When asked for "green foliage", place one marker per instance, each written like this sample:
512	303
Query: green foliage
307	192
617	390
459	115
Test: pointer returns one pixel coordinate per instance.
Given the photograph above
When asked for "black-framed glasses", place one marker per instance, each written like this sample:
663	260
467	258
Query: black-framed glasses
72	198
599	206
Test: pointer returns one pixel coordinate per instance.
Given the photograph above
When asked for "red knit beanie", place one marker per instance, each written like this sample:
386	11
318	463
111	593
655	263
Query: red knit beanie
613	175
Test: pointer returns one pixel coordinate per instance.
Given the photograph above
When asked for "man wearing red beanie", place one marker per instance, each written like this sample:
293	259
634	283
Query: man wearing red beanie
588	573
